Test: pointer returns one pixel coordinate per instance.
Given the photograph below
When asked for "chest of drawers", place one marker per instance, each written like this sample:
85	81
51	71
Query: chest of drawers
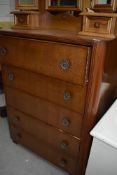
52	85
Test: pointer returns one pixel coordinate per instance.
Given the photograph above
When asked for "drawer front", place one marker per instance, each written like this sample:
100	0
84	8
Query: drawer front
43	150
98	24
57	91
59	117
47	134
63	61
22	19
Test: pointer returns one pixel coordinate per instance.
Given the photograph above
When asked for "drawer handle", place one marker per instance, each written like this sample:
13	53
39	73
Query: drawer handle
97	25
65	64
21	20
63	163
64	145
3	51
66	122
67	96
16	119
11	76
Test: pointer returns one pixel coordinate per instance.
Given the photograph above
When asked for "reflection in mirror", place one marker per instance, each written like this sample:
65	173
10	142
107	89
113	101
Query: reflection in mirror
26	2
107	6
103	2
64	2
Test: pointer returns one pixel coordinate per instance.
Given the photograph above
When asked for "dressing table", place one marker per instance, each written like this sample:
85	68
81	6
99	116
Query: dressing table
52	80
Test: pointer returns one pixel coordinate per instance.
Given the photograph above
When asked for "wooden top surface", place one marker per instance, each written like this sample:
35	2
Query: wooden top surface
54	35
99	14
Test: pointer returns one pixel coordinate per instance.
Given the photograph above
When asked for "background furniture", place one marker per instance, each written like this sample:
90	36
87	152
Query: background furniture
53	79
103	155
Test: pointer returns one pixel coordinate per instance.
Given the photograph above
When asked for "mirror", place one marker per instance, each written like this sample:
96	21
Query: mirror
103	2
62	6
104	5
64	2
27	4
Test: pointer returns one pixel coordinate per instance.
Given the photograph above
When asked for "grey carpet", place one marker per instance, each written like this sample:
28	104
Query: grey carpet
16	160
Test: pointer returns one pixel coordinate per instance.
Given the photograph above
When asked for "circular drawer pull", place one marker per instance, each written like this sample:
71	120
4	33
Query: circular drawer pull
97	25
21	20
67	96
63	163
65	64
10	76
66	122
64	145
16	119
3	51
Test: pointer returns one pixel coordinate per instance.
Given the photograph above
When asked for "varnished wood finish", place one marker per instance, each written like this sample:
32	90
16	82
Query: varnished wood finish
64	21
99	24
44	110
93	97
106	7
101	68
26	20
41	51
61	36
29	141
37	5
26	16
45	133
46	88
34	6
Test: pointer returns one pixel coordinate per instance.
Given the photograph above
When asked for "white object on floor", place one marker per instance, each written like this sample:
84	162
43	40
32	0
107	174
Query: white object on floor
103	155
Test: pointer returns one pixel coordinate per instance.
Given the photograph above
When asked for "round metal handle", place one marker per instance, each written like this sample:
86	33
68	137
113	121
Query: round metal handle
97	25
10	76
3	51
67	96
64	145
16	119
21	19
66	122
65	64
63	163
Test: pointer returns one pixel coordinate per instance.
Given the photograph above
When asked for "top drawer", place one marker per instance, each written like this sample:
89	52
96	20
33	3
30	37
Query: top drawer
63	61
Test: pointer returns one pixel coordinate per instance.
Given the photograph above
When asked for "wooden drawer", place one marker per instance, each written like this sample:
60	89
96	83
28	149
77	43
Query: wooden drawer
50	113
59	92
63	61
64	161
98	24
47	134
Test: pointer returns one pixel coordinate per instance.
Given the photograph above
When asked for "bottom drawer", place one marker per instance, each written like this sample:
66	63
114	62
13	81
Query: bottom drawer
40	148
59	140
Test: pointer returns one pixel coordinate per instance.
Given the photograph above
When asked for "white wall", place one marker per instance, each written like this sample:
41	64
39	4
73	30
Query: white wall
5	7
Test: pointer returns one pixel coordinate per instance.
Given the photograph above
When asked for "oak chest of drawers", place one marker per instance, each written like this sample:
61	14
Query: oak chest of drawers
52	85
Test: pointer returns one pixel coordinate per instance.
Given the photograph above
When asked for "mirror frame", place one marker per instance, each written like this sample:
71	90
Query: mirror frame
78	6
104	7
34	6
